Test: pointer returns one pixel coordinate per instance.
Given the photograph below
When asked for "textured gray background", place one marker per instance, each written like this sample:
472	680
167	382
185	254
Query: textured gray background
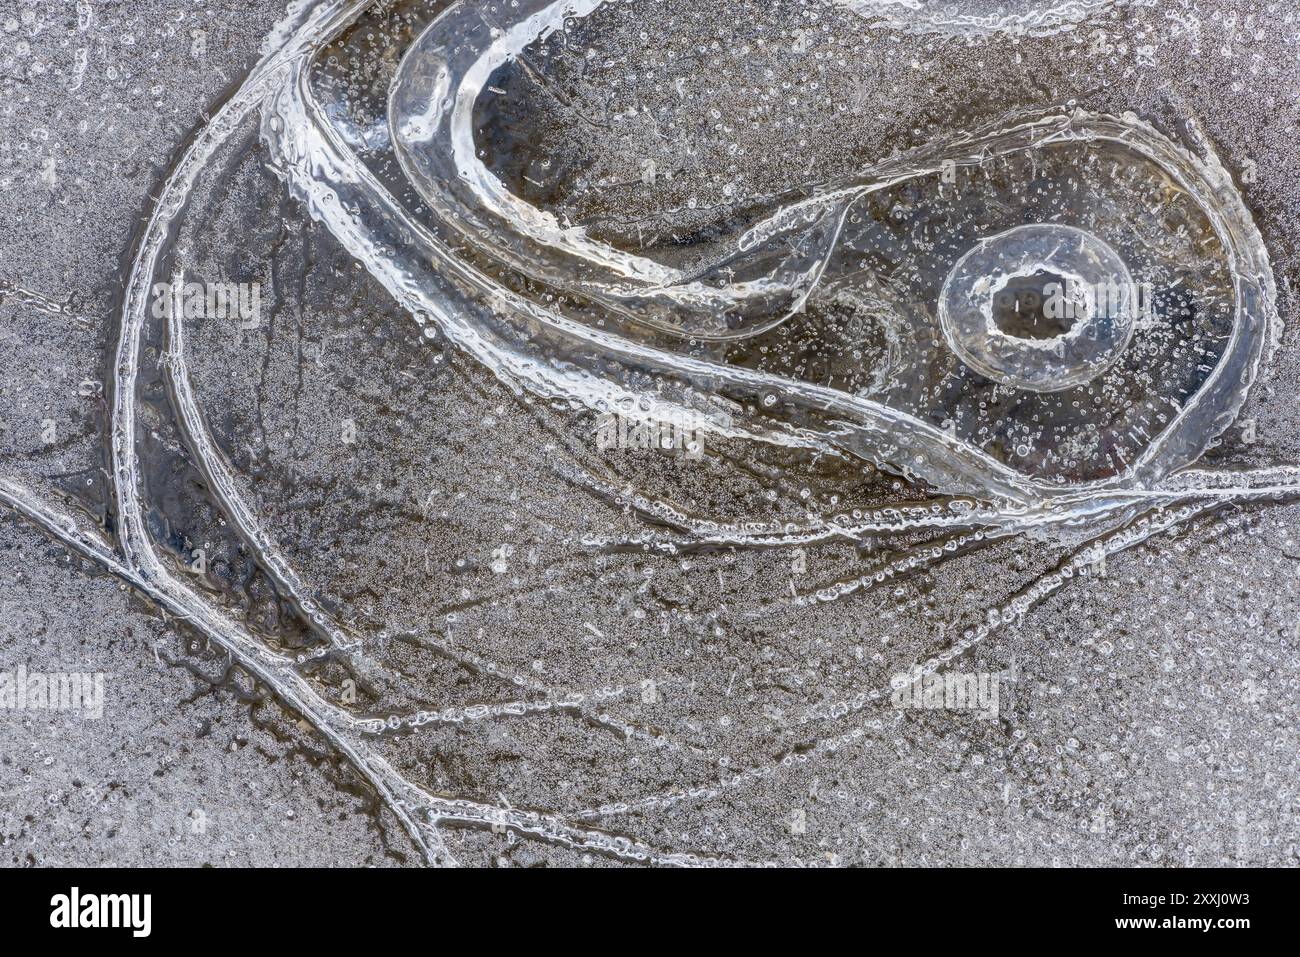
1154	720
125	789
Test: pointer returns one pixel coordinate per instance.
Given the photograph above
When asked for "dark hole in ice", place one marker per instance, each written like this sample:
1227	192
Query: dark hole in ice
1020	307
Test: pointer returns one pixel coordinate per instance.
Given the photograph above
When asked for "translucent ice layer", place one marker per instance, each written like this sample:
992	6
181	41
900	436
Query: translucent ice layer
1043	317
867	313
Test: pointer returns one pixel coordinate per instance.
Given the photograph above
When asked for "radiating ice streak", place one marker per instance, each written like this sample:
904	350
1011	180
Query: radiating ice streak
1113	509
221	483
142	563
1069	512
628	730
914	559
996	618
1276	478
1014	610
133	535
555	829
875	521
409	802
730	782
487	711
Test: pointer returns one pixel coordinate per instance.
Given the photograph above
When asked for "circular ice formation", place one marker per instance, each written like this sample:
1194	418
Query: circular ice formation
820	306
1043	307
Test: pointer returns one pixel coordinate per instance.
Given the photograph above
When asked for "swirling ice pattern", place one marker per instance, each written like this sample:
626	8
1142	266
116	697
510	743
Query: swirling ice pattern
802	257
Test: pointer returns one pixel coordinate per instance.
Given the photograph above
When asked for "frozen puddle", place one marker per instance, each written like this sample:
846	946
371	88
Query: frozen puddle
1034	327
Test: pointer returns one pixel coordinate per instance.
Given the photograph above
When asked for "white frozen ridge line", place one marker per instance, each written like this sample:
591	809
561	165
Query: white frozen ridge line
1026	17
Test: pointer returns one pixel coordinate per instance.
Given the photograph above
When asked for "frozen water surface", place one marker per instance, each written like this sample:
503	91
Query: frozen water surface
641	400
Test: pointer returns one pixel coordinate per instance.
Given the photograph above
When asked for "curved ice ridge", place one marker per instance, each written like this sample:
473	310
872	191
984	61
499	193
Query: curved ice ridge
548	349
431	110
141	566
